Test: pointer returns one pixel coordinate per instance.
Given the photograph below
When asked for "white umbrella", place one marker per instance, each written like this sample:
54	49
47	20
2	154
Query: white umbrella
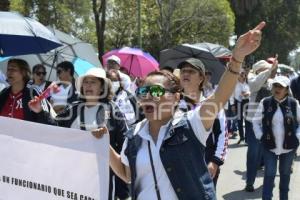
22	35
73	49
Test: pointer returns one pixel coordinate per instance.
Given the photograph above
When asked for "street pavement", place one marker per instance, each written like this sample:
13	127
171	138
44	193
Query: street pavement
231	182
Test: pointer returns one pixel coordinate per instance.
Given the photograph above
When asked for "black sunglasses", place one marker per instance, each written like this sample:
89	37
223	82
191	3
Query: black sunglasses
40	73
154	90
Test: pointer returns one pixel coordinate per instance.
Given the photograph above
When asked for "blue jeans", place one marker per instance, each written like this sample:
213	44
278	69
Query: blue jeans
285	164
254	153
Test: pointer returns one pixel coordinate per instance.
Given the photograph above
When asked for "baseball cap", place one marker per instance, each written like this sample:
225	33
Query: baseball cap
196	63
114	58
260	65
282	80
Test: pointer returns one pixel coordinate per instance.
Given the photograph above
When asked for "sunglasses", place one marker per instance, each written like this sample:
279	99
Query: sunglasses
154	90
40	73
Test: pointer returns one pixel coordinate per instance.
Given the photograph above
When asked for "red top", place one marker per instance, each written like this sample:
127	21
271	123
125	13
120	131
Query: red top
13	106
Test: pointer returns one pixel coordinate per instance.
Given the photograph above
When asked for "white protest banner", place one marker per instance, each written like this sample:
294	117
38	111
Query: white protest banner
42	162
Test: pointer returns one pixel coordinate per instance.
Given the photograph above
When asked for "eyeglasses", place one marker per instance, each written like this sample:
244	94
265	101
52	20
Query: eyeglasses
40	73
155	91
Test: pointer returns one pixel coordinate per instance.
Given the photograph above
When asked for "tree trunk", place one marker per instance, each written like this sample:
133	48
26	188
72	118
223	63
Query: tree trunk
4	5
100	25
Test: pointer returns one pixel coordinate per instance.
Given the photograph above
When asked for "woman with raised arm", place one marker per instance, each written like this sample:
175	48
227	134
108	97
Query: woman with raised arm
163	156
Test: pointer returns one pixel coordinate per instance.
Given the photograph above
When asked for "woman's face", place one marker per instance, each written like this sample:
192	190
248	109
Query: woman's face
242	77
14	74
190	78
159	108
278	91
91	87
63	75
39	75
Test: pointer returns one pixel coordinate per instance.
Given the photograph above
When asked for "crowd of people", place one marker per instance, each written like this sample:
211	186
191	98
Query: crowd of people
169	134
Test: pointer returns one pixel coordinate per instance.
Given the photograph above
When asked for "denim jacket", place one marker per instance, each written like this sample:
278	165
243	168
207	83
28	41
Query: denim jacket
182	155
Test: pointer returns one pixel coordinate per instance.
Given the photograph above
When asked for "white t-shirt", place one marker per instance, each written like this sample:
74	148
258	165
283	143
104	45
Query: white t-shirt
126	81
61	97
239	89
90	119
144	179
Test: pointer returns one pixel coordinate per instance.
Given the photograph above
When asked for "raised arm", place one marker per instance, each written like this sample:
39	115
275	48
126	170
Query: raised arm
121	170
246	44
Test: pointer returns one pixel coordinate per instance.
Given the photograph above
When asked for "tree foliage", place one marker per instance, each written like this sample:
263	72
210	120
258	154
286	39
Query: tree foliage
71	16
165	23
99	10
4	5
121	23
282	33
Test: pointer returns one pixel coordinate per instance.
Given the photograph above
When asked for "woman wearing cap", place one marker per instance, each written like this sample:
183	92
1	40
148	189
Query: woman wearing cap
94	110
124	99
14	99
114	62
276	125
192	79
163	156
259	88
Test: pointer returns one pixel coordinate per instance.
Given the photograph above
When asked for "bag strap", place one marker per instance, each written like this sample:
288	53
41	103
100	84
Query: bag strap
82	120
153	173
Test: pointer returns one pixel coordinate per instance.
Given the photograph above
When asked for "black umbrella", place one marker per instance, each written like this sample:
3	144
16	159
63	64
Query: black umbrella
172	57
219	51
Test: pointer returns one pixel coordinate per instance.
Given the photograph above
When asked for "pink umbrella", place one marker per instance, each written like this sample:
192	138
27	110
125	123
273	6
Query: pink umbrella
137	62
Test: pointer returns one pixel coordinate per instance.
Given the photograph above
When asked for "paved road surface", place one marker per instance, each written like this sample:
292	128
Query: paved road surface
232	178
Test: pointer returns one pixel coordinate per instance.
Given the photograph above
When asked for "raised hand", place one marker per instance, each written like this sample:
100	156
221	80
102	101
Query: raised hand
248	42
35	105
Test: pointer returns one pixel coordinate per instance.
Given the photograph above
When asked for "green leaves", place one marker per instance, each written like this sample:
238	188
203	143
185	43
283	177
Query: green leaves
282	32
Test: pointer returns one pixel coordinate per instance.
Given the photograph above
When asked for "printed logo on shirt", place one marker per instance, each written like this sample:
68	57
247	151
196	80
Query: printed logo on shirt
19	104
